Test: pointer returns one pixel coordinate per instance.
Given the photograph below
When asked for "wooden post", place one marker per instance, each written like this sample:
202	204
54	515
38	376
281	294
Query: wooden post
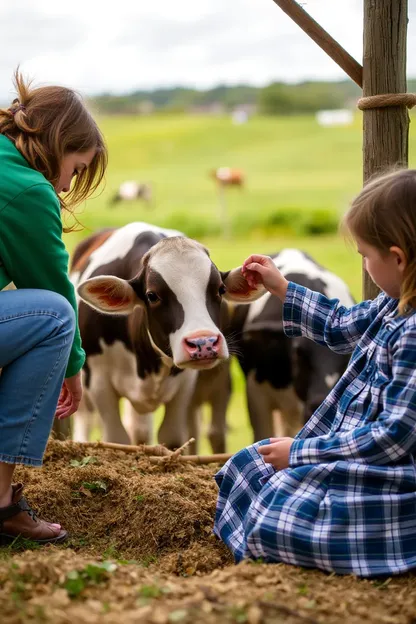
386	130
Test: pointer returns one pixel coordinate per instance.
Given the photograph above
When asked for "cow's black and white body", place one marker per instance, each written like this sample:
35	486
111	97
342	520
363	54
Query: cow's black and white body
288	375
161	297
131	190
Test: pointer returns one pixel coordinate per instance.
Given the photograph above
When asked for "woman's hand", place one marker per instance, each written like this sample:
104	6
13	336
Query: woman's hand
70	397
261	269
277	452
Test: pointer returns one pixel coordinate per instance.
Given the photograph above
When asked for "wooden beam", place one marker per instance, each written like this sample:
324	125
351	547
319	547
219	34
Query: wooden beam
386	130
220	458
323	39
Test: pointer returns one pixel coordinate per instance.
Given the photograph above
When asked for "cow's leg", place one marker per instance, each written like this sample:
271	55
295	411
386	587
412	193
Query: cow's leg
194	422
83	420
259	409
291	412
219	404
139	426
174	429
218	428
106	401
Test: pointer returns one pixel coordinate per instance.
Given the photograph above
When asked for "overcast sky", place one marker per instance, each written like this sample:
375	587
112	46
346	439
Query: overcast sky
118	46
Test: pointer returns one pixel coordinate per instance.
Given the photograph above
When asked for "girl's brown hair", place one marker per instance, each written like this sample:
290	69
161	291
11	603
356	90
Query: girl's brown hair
384	215
45	124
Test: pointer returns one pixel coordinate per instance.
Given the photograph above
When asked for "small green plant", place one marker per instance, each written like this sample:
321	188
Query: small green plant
85	461
111	552
150	591
18	582
177	616
303	589
95	486
93	574
382	583
147	560
77	542
239	615
140	498
19	544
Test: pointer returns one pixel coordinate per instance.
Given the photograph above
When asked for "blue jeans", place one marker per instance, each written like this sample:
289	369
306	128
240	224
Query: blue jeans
36	333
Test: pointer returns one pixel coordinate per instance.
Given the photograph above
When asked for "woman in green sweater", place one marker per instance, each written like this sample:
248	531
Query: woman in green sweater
49	144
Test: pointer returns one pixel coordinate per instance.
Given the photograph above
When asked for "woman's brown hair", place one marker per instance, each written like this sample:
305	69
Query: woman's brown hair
45	124
384	215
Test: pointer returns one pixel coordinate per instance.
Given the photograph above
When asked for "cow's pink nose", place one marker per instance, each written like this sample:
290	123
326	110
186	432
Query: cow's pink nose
203	347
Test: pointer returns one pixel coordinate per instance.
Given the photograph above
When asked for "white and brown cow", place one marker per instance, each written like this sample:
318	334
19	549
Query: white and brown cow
226	176
131	190
288	375
161	297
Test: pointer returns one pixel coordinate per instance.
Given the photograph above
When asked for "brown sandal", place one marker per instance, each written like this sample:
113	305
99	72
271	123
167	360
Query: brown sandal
19	520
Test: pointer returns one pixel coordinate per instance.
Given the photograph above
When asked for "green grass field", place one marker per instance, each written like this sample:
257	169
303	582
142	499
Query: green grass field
291	163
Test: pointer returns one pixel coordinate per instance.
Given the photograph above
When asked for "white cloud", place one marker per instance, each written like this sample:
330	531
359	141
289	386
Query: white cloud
97	46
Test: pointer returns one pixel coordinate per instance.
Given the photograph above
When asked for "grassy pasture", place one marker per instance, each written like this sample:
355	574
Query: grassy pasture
291	163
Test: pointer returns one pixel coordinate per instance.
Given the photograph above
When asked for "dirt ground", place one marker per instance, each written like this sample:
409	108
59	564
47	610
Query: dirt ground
142	550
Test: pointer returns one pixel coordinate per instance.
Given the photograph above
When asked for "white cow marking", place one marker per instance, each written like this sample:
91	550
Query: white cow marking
119	365
190	288
128	189
331	380
120	243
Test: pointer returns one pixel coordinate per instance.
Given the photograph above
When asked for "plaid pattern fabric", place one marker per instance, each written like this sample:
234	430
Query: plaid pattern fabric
347	503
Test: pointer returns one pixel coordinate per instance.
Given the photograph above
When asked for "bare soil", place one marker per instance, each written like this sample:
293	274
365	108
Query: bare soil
142	550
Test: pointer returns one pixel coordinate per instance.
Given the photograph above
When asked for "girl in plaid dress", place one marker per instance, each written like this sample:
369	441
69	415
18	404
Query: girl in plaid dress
341	495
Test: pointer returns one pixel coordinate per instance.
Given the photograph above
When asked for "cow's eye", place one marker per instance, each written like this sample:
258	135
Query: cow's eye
152	297
222	290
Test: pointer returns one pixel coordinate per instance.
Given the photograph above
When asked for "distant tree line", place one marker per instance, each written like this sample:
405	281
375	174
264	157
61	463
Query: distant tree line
277	98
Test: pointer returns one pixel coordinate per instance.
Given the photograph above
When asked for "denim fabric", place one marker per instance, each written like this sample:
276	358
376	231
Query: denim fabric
36	334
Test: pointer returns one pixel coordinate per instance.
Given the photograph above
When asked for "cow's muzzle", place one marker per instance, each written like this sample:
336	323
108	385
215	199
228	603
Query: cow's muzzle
203	347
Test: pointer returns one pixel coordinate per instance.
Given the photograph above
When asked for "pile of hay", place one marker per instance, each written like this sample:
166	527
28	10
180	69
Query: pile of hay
142	550
121	506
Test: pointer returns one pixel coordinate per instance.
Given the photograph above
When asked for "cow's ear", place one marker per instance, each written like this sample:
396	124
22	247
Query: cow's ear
238	289
108	294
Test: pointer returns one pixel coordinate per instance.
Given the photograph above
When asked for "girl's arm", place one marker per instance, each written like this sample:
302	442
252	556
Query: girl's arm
310	314
386	440
33	253
325	321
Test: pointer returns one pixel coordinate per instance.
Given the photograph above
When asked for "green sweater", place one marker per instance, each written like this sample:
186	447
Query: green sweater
32	253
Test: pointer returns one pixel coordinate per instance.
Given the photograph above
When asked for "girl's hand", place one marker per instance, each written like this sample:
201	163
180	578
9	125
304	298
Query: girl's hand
277	452
70	397
261	269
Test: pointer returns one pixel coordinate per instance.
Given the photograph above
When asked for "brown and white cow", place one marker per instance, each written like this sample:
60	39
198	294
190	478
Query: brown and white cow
161	297
226	176
291	376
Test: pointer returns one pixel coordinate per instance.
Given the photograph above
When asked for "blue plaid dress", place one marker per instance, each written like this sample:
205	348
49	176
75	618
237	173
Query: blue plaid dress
347	502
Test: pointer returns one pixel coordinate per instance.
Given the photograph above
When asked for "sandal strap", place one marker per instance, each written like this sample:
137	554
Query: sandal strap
13	510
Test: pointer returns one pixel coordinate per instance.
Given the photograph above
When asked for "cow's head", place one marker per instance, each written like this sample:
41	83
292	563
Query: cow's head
181	290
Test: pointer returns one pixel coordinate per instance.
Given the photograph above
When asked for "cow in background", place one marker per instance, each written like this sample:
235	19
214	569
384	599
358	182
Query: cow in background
291	375
226	176
161	297
131	190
